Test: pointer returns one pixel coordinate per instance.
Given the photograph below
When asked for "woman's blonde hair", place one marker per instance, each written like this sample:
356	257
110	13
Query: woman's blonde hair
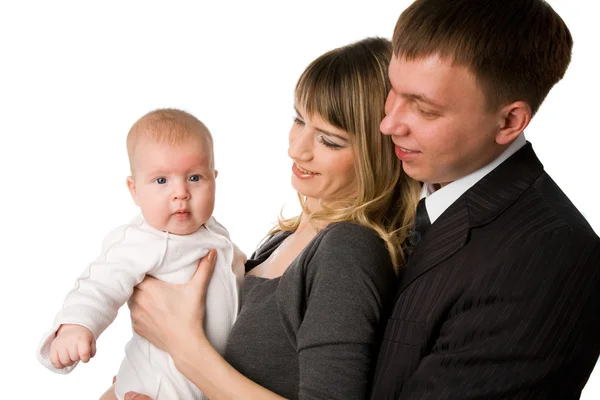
347	87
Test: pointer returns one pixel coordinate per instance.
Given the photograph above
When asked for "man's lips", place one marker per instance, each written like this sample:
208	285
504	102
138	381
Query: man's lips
405	154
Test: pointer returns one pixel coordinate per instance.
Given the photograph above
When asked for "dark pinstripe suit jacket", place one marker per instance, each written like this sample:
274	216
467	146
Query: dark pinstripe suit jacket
500	299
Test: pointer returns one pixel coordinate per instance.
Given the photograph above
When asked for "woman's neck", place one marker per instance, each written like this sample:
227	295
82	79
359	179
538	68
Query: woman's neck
306	224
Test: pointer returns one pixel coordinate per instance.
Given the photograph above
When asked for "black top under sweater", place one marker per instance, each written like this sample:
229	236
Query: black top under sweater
313	333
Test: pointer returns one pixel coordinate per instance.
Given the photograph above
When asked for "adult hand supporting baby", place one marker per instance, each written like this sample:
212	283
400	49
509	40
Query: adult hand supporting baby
136	396
168	315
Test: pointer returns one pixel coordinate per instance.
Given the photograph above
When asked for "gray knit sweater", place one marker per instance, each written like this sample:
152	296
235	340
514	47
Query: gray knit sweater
313	333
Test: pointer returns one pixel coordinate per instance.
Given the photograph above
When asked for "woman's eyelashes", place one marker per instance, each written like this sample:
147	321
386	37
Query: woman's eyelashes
328	143
321	137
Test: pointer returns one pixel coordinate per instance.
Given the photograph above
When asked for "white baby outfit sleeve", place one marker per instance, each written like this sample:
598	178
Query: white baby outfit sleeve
128	254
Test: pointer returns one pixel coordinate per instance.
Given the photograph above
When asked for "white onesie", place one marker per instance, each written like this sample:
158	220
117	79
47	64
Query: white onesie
130	252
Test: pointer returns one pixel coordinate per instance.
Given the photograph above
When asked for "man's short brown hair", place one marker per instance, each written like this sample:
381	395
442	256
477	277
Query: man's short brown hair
517	49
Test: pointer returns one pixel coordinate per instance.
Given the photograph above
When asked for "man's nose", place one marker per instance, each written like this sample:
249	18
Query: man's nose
393	122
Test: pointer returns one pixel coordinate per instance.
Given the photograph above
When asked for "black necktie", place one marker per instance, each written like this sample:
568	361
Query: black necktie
422	223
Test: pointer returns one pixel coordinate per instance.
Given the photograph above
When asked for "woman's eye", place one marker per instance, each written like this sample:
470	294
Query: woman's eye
161	181
298	121
194	178
329	144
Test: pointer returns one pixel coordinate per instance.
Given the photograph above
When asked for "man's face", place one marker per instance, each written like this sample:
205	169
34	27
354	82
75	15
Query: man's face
437	117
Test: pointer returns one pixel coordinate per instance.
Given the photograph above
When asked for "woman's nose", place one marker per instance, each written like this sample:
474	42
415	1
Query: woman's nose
301	146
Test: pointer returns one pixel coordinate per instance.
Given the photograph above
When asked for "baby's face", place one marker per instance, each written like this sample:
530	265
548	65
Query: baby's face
173	185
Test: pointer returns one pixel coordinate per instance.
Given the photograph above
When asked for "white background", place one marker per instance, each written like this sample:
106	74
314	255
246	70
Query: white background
74	76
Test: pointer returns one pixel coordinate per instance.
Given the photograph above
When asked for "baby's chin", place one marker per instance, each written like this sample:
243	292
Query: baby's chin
182	232
183	229
178	227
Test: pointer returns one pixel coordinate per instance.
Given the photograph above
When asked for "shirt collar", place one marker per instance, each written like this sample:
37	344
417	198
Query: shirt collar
437	201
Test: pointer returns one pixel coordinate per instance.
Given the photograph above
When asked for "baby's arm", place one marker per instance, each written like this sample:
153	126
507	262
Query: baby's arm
128	253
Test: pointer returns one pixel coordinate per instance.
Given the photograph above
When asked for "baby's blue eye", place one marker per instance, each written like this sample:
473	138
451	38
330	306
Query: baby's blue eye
161	181
194	178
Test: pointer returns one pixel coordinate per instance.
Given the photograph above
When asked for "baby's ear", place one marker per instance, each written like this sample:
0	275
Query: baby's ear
216	173
131	187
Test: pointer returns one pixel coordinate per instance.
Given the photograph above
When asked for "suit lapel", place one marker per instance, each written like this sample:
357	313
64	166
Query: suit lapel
479	205
446	236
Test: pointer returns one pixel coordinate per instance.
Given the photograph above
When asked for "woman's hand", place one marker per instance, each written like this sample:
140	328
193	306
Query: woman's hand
171	317
136	396
128	395
167	314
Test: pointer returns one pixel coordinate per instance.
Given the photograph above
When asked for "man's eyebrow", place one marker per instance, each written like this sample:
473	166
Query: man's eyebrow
323	130
422	98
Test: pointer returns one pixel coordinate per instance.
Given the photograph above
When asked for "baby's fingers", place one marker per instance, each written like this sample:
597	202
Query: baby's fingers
55	360
73	353
65	357
84	351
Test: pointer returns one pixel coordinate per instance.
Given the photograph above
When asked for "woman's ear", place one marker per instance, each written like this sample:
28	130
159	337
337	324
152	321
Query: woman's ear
132	191
514	118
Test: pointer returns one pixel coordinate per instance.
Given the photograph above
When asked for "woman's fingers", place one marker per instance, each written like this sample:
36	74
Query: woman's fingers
136	396
201	277
147	283
162	312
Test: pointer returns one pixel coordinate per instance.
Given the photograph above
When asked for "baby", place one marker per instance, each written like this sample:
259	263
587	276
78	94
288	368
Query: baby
173	182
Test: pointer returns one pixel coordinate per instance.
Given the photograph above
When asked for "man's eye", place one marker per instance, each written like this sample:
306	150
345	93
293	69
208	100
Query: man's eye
194	178
426	113
161	181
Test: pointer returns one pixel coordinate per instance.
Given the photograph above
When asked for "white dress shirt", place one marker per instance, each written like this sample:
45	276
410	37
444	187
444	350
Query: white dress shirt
437	201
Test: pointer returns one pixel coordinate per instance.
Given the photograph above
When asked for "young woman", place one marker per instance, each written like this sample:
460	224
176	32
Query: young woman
316	290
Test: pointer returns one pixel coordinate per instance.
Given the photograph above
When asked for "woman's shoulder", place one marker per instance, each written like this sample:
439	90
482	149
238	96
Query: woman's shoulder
343	258
349	248
350	236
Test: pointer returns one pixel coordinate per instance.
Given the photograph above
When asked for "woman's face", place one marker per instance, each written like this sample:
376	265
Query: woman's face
323	158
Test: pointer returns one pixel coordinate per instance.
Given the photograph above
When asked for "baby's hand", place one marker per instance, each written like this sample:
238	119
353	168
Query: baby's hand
72	343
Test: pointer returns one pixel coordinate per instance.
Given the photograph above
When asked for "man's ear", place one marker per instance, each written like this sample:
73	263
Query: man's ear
216	173
132	191
514	118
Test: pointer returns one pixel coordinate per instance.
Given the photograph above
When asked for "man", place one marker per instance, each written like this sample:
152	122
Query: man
501	296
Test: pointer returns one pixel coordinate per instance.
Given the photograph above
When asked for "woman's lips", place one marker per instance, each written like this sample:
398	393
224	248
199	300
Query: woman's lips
301	173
